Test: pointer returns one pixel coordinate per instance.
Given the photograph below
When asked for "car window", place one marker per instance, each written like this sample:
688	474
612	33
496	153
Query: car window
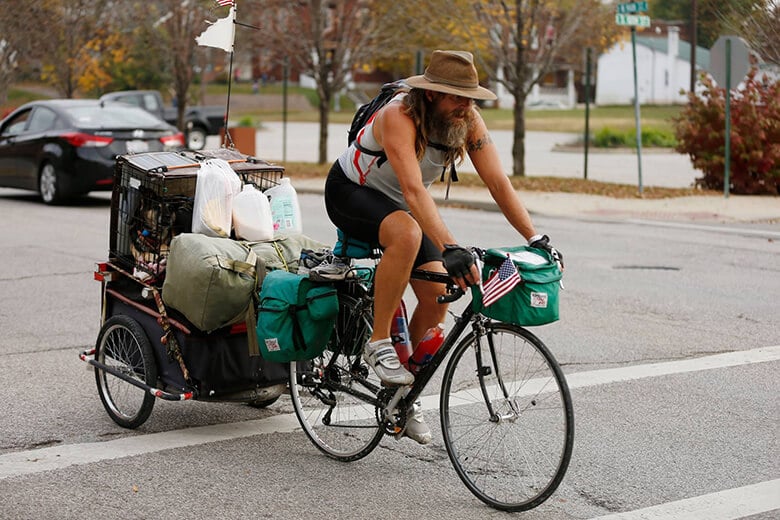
42	119
116	116
150	101
130	100
16	125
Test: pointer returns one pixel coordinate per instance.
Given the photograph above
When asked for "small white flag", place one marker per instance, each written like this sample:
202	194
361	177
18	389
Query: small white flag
221	34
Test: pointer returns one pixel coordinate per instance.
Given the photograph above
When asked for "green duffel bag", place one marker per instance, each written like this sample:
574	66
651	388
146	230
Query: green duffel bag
211	281
533	301
284	252
296	317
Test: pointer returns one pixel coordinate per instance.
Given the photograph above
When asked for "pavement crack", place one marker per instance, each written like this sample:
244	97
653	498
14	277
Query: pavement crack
58	274
602	502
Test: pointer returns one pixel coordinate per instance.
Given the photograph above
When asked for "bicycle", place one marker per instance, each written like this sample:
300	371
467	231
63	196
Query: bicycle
506	413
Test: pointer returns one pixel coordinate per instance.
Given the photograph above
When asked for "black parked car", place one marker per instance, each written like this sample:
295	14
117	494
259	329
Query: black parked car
63	148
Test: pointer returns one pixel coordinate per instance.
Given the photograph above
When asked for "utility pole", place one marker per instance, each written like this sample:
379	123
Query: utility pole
693	44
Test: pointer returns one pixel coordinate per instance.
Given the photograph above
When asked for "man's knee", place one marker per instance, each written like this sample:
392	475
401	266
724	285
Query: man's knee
399	228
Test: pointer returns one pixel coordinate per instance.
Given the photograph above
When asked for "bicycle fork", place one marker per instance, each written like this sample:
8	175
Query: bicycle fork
484	371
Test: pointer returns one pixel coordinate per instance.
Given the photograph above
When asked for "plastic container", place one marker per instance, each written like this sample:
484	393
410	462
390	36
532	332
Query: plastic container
399	334
252	218
215	189
427	348
285	209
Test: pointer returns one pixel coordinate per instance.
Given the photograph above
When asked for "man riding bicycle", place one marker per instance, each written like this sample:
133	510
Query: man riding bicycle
422	133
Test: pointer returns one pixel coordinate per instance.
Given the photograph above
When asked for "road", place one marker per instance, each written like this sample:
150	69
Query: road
668	338
300	142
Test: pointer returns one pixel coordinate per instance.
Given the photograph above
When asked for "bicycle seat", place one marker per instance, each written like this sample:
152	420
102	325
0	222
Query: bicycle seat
350	247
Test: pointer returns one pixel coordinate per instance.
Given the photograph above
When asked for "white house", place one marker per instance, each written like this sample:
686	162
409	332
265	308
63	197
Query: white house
663	70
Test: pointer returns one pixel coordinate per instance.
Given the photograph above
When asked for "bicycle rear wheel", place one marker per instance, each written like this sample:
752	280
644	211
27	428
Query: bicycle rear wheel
507	417
334	395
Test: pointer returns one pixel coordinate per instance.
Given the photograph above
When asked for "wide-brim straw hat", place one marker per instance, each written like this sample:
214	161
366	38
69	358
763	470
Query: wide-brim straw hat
451	72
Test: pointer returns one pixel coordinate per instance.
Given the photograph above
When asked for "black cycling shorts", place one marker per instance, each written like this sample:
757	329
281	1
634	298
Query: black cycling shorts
359	210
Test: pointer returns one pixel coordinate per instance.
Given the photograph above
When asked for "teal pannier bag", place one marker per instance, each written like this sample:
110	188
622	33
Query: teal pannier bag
533	301
296	317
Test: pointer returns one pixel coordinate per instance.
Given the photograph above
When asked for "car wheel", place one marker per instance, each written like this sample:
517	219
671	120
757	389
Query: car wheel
51	185
196	138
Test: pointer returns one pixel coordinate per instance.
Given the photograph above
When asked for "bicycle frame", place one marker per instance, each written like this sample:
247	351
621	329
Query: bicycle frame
405	396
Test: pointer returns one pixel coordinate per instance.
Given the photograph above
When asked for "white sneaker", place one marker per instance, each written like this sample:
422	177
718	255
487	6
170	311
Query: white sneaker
330	269
383	358
416	429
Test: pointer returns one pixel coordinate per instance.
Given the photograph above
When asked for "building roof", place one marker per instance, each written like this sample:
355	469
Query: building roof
661	44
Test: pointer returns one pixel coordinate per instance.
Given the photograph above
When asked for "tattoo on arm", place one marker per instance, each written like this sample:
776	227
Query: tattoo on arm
479	143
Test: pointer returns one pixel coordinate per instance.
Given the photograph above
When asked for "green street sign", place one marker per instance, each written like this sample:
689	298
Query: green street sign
636	20
632	7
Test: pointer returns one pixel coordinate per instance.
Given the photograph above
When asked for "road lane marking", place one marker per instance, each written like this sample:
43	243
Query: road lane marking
729	504
665	368
763	233
58	457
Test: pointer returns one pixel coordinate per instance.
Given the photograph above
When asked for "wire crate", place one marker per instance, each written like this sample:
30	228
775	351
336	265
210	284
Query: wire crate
152	202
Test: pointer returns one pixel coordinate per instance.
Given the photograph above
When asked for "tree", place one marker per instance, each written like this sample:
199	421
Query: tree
710	16
759	25
125	54
325	39
527	38
69	24
180	21
67	28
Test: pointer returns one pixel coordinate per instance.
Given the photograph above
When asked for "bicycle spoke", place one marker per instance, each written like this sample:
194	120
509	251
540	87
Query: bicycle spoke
514	459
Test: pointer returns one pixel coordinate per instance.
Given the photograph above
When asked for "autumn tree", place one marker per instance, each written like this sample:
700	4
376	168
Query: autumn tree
711	15
125	54
67	26
179	22
529	38
324	39
758	23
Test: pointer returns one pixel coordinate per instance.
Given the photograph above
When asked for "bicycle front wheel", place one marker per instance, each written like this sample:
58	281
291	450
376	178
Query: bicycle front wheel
334	395
507	417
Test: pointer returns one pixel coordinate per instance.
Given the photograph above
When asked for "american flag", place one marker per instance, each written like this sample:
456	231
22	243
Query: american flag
500	282
224	3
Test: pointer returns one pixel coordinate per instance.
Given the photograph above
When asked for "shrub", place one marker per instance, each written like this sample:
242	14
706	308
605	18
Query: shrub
754	166
609	138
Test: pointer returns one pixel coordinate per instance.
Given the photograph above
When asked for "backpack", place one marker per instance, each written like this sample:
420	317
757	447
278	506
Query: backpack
366	111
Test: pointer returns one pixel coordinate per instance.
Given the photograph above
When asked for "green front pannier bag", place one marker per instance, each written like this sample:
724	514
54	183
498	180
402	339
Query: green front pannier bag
296	317
534	301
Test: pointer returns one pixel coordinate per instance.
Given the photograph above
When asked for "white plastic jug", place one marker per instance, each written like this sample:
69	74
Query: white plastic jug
285	209
252	215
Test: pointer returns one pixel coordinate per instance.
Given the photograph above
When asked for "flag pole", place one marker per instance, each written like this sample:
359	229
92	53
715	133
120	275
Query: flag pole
228	141
227	138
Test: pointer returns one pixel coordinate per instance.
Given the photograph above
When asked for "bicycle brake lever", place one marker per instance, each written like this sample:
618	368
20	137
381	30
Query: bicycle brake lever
453	295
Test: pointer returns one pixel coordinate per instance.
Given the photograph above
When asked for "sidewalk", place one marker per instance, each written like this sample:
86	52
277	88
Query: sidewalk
701	209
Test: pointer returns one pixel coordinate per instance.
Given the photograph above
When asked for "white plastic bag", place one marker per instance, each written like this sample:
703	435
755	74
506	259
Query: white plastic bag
252	215
215	188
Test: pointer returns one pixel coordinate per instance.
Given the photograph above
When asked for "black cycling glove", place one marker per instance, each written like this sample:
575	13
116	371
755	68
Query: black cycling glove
543	242
457	260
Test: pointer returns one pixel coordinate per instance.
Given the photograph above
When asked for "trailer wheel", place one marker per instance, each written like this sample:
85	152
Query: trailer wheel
122	345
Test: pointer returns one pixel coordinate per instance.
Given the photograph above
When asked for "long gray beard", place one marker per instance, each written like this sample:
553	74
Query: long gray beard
450	134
